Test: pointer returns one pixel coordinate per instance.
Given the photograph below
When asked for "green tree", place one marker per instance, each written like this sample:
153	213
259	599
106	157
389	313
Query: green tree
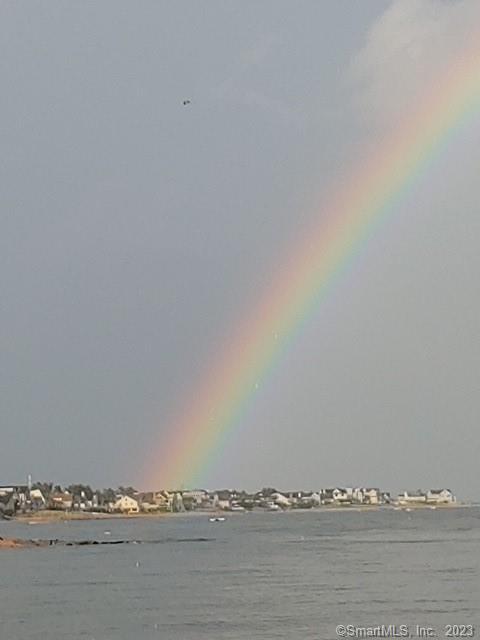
80	491
108	495
127	491
267	491
44	487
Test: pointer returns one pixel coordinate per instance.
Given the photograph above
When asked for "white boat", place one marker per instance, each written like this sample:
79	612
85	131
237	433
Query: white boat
217	519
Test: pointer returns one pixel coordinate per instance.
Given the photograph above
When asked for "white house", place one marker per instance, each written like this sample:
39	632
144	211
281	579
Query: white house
342	496
440	496
62	500
126	504
37	498
280	500
371	496
151	501
316	499
409	497
357	495
195	495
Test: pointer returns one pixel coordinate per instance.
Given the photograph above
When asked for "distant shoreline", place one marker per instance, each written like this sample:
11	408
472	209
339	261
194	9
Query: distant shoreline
44	517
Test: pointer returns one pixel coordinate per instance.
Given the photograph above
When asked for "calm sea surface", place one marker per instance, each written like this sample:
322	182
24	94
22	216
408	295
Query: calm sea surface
261	575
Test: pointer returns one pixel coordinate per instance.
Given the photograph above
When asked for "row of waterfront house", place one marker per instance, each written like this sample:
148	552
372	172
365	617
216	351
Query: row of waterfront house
26	498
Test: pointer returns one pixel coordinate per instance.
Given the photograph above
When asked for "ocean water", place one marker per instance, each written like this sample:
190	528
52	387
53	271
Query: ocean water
256	576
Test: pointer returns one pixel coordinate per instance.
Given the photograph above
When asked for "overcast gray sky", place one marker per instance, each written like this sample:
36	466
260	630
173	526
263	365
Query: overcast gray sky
136	231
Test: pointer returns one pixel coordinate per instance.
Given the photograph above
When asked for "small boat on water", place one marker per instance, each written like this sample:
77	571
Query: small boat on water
217	519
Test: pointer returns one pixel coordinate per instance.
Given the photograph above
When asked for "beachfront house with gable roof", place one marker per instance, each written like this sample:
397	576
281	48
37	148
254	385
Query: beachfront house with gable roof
126	504
440	496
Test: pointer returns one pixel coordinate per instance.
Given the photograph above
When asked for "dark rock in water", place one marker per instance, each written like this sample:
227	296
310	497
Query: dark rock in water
14	543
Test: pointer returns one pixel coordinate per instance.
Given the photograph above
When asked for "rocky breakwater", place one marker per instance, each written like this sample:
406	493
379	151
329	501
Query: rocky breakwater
14	543
17	543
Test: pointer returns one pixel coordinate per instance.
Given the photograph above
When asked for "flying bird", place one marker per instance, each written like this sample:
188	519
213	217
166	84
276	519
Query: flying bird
185	102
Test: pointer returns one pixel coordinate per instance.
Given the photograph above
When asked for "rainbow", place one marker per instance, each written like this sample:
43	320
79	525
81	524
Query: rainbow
347	220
